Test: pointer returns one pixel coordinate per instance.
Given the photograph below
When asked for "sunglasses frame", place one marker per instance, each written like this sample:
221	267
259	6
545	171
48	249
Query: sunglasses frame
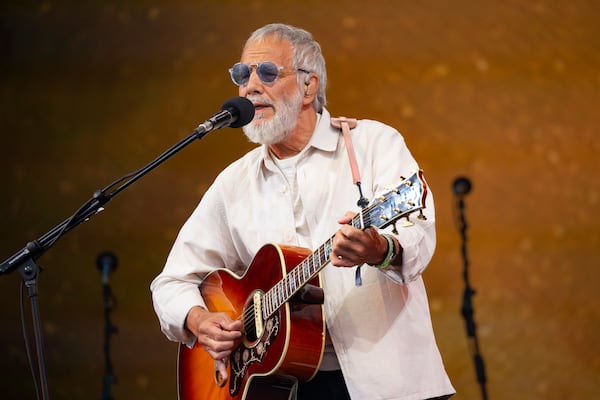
257	67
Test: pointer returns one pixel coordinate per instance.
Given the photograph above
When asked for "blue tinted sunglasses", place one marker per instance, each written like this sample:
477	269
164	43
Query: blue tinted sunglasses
267	72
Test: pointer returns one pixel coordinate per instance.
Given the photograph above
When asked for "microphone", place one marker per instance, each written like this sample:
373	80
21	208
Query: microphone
461	186
235	112
106	262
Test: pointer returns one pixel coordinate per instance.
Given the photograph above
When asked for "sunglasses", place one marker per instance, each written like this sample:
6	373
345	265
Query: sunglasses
267	72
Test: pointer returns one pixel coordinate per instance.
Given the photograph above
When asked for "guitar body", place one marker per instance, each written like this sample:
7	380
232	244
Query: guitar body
288	343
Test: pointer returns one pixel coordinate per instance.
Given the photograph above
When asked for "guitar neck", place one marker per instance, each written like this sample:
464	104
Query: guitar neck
306	270
406	198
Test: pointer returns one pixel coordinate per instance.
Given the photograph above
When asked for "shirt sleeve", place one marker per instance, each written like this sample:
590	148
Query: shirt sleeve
193	255
391	159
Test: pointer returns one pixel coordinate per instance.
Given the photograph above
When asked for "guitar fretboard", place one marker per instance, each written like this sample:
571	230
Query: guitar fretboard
306	270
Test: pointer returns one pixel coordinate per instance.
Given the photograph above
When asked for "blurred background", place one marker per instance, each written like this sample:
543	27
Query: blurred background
505	93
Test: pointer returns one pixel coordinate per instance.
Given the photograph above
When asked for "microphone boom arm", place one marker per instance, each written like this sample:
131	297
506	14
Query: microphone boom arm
34	249
235	112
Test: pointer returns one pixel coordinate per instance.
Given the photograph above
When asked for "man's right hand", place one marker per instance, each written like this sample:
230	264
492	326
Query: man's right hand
216	332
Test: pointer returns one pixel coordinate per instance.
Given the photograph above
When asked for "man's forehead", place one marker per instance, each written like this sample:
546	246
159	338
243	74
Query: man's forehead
270	48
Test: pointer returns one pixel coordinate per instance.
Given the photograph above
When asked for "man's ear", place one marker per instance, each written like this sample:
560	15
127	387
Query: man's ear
311	85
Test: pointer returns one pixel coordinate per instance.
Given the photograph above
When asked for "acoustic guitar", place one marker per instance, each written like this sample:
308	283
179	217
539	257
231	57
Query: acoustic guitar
284	325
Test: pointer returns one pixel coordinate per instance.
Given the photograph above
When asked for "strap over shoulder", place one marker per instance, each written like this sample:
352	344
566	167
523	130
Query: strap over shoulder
337	122
345	124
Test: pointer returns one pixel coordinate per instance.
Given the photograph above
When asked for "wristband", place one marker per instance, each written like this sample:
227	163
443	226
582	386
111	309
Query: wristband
391	253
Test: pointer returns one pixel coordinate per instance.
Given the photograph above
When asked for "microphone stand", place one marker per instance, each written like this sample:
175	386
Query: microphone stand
24	259
107	262
109	329
29	272
467	306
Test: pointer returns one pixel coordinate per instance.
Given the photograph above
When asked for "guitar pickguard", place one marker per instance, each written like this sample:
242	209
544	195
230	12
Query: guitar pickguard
247	354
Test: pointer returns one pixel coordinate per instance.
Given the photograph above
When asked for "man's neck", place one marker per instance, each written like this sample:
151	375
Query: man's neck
297	140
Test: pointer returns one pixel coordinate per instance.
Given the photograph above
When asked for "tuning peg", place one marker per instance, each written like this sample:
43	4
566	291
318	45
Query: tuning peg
421	216
391	188
408	222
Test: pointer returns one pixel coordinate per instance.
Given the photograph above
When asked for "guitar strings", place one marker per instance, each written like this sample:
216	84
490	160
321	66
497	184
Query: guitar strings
298	273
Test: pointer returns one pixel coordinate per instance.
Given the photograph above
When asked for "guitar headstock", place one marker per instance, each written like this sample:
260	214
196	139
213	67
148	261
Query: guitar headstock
406	198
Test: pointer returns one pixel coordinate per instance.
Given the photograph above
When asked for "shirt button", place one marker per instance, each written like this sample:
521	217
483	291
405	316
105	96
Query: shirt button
284	189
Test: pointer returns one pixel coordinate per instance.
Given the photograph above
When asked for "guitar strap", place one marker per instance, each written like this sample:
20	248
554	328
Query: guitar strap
345	124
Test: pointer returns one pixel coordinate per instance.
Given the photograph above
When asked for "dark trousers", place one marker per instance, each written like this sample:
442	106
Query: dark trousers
330	385
326	385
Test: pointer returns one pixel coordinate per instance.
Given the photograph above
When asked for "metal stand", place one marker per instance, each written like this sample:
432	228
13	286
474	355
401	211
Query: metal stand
461	187
107	262
29	271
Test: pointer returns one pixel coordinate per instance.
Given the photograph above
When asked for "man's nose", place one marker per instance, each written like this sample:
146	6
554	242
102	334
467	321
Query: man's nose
254	84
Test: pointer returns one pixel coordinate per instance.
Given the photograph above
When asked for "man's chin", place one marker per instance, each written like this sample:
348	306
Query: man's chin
261	134
254	133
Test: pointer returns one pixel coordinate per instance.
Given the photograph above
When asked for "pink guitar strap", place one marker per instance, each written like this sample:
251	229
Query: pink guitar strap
345	124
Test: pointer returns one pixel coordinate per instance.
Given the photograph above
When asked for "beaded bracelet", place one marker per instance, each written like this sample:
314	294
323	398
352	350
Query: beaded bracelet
391	252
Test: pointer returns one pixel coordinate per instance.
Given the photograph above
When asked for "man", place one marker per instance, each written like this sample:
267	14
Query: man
297	189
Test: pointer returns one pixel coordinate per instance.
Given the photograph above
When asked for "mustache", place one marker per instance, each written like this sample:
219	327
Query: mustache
260	100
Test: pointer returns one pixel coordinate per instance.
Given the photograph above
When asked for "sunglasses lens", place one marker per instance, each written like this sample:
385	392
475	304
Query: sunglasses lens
267	72
240	74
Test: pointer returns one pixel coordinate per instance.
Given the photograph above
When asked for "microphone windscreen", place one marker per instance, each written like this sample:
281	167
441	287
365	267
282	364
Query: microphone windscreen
461	185
106	259
242	108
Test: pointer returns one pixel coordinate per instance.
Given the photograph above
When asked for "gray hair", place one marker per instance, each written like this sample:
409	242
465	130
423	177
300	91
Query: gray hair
307	54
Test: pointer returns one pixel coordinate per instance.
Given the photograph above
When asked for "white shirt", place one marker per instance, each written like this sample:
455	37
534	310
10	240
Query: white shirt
382	330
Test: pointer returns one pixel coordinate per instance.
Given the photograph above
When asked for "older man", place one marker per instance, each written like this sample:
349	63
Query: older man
297	189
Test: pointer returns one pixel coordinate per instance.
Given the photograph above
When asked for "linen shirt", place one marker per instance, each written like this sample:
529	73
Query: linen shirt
381	331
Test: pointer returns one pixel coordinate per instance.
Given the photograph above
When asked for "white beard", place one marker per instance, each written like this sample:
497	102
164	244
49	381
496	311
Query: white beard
277	128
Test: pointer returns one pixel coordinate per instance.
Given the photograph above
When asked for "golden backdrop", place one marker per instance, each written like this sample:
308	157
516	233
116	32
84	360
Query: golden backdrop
505	93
